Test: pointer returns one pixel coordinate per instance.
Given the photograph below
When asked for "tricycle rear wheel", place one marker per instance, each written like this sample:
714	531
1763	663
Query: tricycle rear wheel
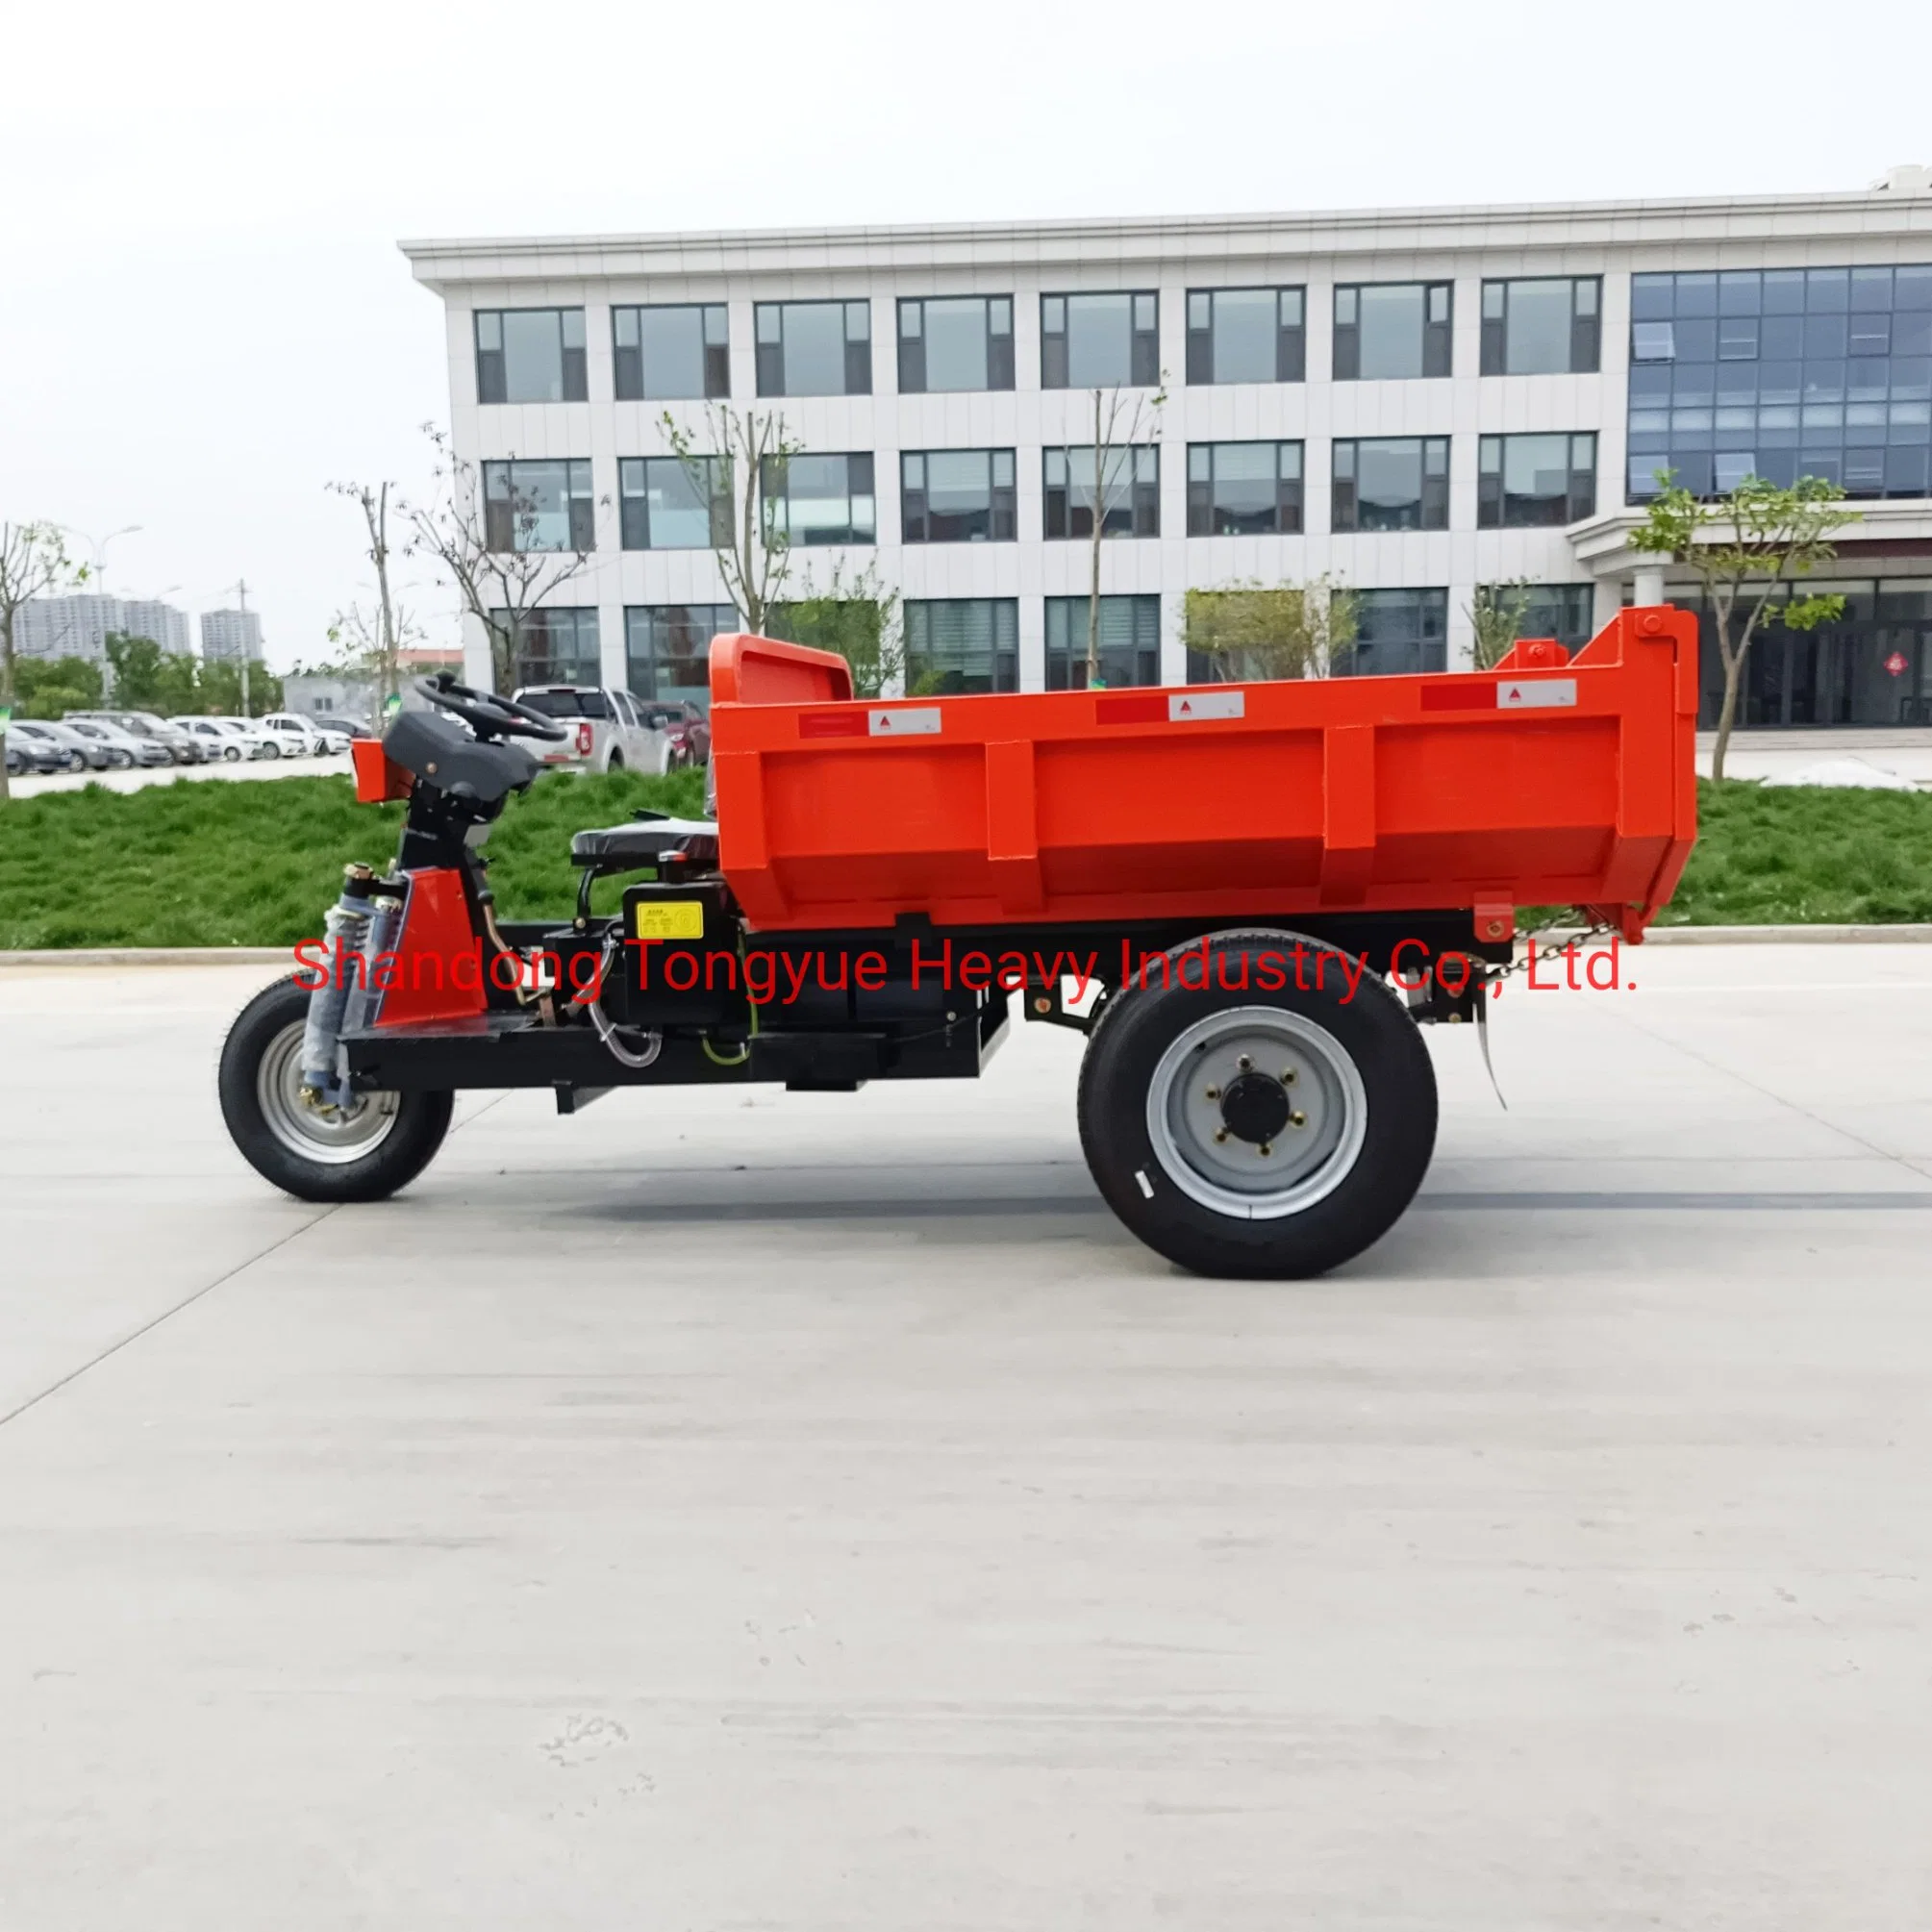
363	1153
1258	1114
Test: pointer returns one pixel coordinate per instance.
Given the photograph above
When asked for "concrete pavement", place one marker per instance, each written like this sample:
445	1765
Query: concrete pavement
741	1510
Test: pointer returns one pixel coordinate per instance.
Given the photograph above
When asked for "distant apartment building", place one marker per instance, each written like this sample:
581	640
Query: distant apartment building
227	636
1414	403
80	626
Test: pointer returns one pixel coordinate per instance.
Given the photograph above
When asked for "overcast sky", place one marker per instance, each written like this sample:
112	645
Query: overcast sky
204	317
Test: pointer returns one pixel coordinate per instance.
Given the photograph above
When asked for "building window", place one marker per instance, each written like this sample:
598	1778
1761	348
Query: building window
1547	327
1243	489
1385	329
962	644
815	348
1391	483
1397	633
1130	503
1782	373
957	496
1246	335
1130	641
1099	341
668	649
671	353
1564	612
1525	482
538	504
556	646
664	506
530	356
819	499
955	342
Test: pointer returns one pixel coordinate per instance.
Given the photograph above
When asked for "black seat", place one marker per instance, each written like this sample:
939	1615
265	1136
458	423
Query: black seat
645	838
439	751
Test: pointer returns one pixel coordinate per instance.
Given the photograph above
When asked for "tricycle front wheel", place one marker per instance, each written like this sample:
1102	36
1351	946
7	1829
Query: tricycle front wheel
364	1152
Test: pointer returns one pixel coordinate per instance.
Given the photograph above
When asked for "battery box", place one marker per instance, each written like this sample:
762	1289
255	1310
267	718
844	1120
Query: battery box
682	964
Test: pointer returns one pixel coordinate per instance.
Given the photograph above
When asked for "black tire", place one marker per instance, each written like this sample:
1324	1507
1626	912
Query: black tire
416	1121
1378	1120
617	762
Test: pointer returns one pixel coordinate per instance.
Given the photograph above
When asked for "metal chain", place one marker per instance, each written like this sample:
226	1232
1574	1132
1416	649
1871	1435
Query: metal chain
1602	929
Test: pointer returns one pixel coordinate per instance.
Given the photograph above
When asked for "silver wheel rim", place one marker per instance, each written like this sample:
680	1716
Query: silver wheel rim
1285	1172
332	1138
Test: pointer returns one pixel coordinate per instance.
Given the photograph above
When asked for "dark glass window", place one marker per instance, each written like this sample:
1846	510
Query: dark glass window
667	649
1387	329
1129	497
1527	481
539	503
1564	612
1243	489
530	356
815	348
1397	633
557	646
1391	483
951	342
957	496
664	506
1541	327
820	499
1099	341
958	644
1130	641
668	354
1246	335
1782	373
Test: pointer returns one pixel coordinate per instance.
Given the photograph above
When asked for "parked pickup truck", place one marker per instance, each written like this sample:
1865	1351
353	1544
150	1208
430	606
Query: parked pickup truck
609	730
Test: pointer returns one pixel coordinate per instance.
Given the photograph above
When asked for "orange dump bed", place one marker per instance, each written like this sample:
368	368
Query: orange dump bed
1551	780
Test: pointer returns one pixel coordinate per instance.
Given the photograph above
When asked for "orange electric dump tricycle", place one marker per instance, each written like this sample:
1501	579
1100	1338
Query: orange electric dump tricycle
1246	896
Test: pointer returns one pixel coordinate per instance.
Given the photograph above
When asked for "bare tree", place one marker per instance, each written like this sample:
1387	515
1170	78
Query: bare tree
490	552
32	561
748	451
375	637
1120	423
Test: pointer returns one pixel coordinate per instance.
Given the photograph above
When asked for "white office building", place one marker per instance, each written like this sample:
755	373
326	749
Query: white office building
1412	403
80	626
227	636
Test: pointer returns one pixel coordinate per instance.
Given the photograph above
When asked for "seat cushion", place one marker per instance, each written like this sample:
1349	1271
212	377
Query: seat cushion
644	839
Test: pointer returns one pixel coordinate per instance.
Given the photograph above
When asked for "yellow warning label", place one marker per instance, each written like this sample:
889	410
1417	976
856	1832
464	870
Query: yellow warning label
670	918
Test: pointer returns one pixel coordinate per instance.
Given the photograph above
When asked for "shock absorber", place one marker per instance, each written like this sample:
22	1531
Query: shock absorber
379	943
345	931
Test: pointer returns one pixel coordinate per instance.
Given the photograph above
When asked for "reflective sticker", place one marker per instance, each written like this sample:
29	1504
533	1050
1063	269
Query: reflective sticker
1535	694
1193	704
670	918
920	722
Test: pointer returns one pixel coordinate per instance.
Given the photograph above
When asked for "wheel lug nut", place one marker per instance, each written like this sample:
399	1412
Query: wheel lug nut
1297	1120
1266	1148
1214	1093
1244	1064
1288	1076
1220	1134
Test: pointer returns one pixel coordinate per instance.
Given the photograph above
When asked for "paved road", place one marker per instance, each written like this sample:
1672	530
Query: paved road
815	1512
169	774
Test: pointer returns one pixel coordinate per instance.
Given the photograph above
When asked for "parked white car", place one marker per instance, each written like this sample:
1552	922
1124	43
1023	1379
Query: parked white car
610	730
261	741
230	739
304	737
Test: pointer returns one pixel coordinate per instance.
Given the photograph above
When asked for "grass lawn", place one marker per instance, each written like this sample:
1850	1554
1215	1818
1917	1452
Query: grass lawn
256	863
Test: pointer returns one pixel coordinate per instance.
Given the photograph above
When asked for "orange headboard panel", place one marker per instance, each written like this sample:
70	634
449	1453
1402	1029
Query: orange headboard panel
745	670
